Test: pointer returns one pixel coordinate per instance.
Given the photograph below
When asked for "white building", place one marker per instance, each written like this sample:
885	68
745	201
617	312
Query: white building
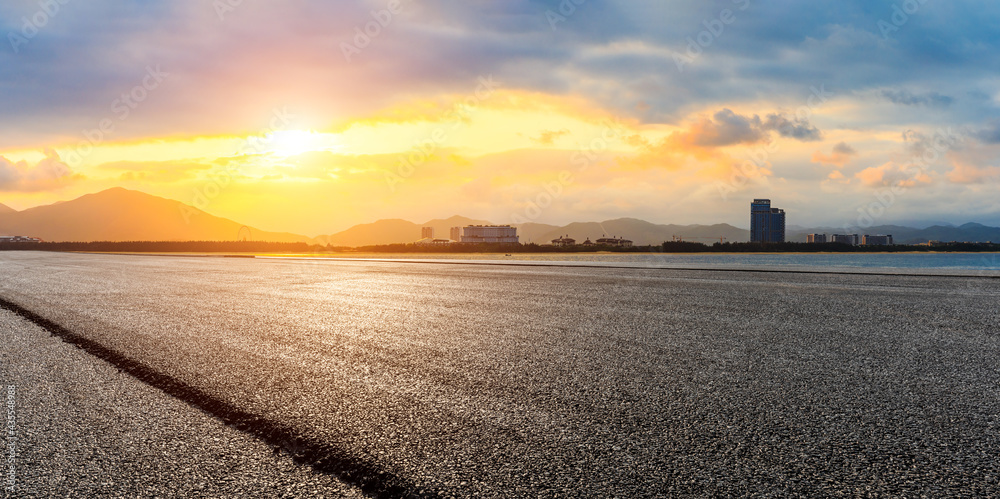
489	234
431	241
615	241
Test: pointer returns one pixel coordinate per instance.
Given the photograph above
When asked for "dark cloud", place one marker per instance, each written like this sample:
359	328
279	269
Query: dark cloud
796	128
727	127
844	148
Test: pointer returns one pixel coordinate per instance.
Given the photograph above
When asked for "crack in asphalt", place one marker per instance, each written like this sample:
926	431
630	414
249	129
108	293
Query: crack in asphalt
368	477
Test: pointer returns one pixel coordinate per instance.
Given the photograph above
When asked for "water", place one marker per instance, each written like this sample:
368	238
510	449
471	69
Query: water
842	261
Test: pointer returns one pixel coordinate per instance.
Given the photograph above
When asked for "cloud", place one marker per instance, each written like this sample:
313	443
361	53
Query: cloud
929	148
229	75
965	173
906	98
547	137
892	174
797	128
48	174
702	142
155	171
976	164
990	134
840	156
723	129
726	128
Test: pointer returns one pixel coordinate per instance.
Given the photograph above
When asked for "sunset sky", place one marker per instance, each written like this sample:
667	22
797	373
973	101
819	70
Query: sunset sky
287	116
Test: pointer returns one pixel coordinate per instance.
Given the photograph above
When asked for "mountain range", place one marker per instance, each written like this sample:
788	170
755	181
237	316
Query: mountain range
120	214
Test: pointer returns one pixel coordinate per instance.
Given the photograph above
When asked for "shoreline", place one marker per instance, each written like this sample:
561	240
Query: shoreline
669	262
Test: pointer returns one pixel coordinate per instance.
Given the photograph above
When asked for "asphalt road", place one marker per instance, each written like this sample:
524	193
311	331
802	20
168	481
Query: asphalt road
82	428
440	379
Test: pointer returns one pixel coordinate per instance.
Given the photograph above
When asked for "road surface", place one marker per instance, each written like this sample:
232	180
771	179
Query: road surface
460	380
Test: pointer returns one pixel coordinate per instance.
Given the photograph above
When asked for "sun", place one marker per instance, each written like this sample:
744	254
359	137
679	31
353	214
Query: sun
294	142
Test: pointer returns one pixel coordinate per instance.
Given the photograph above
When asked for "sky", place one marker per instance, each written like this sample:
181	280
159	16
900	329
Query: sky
310	117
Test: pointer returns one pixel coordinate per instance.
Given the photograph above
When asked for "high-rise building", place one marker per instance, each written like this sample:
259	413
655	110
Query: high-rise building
456	234
878	240
767	225
427	233
489	234
851	239
815	238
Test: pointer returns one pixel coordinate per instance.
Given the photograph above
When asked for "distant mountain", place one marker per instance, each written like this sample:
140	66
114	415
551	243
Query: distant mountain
921	224
970	232
532	232
397	231
394	231
641	232
124	215
442	227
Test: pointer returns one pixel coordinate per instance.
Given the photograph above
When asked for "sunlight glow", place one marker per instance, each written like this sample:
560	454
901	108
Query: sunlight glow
294	142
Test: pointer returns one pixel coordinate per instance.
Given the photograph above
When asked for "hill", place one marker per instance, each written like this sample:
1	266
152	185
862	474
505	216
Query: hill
119	214
532	232
394	231
644	233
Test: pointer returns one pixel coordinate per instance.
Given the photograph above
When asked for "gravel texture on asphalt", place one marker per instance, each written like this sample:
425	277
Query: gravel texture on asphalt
82	428
461	380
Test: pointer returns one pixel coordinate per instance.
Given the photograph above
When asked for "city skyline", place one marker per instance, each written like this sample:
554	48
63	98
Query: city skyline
312	118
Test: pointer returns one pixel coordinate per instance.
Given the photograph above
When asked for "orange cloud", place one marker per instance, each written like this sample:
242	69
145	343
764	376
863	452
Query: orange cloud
723	129
967	173
547	137
840	156
48	174
701	146
892	174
